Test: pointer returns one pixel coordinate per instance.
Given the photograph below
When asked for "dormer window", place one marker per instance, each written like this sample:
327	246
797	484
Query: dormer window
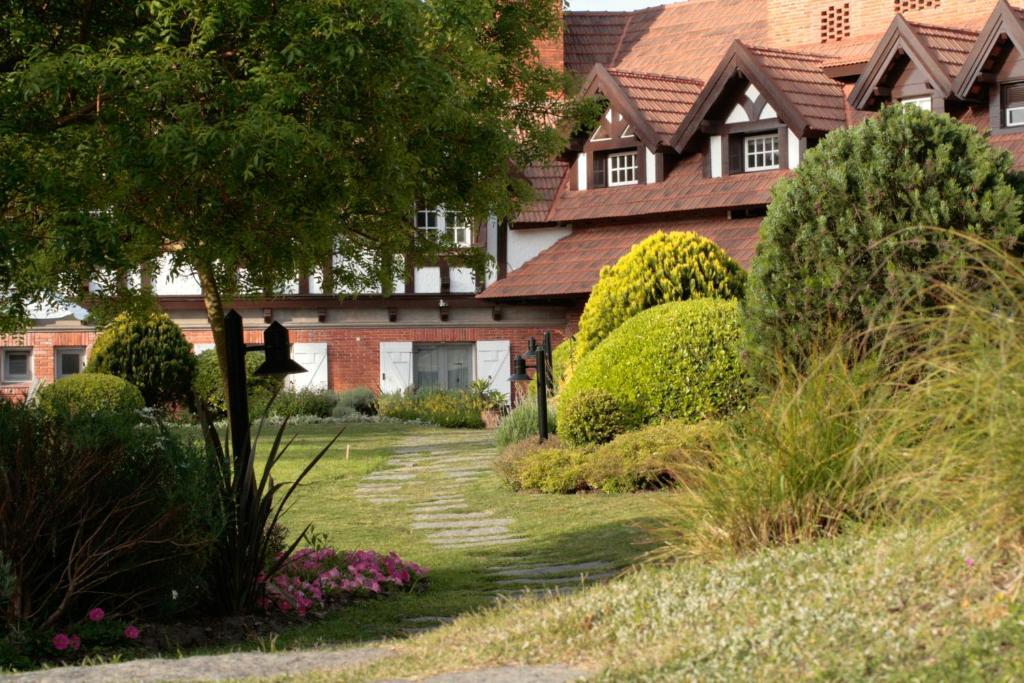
761	152
924	103
1013	105
622	169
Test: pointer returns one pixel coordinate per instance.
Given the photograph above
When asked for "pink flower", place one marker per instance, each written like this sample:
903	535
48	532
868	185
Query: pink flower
61	642
75	643
969	561
96	614
131	633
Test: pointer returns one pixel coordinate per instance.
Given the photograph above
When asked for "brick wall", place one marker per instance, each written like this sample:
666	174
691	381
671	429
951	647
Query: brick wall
353	353
801	22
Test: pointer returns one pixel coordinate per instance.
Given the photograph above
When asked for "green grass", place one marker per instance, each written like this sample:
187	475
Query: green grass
558	528
876	605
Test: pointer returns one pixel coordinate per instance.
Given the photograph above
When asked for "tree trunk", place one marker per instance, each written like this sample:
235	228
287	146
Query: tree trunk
215	315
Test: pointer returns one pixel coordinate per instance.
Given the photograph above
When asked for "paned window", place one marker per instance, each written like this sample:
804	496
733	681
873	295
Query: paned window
919	102
622	168
451	223
1013	104
17	365
442	366
761	152
69	361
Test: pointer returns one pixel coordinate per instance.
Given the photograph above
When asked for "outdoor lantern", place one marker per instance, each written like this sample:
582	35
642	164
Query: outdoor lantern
519	370
277	350
531	347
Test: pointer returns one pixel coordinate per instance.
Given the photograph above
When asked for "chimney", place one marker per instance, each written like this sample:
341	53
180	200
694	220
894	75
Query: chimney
552	50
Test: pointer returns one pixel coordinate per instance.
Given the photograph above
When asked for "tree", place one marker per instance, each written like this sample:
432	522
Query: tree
246	141
853	229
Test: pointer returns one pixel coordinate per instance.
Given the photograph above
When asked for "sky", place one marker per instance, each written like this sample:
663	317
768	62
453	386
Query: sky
595	5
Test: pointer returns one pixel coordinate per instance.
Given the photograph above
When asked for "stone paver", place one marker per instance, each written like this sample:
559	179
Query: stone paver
551	570
210	667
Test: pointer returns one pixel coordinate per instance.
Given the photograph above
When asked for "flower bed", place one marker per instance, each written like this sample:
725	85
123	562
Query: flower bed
313	579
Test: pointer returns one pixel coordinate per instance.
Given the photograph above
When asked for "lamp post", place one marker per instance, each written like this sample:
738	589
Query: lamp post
519	374
278	363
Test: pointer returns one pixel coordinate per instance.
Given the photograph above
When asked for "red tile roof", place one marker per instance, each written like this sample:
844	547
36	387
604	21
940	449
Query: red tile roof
572	265
683	39
949	45
684	189
1013	143
818	98
662	100
545	179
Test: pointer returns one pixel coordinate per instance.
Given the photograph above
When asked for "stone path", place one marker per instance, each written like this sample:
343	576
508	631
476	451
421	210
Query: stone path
211	668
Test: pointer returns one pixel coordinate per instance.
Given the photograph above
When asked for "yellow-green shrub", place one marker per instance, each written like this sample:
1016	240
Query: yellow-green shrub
443	408
547	467
677	360
592	415
652	457
89	394
665	267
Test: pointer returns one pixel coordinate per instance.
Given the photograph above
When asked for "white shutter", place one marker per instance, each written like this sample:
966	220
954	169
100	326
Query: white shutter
200	348
313	357
395	366
493	364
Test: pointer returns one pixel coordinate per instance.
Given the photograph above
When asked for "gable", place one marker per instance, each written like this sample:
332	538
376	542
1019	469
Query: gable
1002	33
614	126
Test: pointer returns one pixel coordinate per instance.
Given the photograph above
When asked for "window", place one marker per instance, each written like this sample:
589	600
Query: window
919	102
69	362
762	152
622	169
458	228
1013	104
451	223
442	366
17	365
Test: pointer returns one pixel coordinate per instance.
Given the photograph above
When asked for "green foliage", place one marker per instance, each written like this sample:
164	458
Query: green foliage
93	506
360	400
800	465
150	352
88	394
224	129
677	360
665	267
209	390
652	457
253	508
315	402
592	415
443	408
521	423
546	467
849	234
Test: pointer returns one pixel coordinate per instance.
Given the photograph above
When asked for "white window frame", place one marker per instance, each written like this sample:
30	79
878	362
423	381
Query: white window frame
450	223
58	358
924	103
623	174
1019	112
750	161
5	374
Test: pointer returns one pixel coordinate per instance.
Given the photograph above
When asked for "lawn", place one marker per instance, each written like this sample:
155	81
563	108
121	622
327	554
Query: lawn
557	529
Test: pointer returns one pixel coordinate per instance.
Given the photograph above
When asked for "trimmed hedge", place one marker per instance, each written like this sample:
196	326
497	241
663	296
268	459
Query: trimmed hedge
151	352
89	394
852	233
665	267
677	360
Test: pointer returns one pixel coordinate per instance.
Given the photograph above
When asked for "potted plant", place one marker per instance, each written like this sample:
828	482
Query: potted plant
492	403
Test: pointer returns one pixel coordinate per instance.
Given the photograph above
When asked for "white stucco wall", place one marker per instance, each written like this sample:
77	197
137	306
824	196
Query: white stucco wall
524	245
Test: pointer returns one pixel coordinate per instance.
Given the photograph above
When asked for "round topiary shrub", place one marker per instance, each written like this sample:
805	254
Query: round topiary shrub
89	394
665	267
674	361
151	352
592	415
209	390
853	232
